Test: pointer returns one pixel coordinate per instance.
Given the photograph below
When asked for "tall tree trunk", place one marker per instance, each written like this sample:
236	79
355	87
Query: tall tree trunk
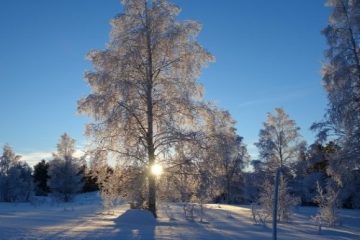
150	120
275	204
353	48
151	157
228	185
152	188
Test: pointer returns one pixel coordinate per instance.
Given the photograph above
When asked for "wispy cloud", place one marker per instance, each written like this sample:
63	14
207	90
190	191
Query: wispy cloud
285	95
32	158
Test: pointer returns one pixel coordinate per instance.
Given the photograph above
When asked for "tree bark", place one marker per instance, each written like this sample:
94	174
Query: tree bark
152	190
150	120
228	185
151	158
353	46
275	204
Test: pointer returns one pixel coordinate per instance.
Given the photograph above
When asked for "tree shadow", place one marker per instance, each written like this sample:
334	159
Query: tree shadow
339	232
135	224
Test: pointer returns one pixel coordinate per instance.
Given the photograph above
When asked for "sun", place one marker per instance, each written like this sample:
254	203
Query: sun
156	169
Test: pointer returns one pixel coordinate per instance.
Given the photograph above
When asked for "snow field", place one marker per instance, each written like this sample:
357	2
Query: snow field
85	219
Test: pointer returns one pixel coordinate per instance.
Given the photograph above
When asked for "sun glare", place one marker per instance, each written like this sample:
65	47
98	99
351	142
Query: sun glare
156	169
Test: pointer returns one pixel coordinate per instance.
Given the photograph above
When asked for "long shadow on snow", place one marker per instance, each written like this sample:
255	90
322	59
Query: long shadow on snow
140	224
135	224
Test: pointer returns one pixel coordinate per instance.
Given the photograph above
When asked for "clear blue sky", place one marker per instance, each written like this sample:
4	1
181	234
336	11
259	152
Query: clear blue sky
268	54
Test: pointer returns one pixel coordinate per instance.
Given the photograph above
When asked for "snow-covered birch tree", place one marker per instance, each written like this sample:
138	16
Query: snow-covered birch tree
279	145
144	85
15	177
341	74
65	177
225	151
341	80
20	182
279	140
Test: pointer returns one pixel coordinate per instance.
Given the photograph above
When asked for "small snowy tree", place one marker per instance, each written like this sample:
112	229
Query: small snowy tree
225	151
15	177
209	167
279	147
7	159
287	201
328	201
65	178
20	182
262	212
279	141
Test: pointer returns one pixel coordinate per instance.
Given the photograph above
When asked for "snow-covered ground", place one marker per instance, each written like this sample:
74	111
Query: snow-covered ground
85	219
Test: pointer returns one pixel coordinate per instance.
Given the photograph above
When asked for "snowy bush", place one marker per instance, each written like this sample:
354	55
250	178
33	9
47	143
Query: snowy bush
193	210
263	209
189	211
286	202
259	215
328	206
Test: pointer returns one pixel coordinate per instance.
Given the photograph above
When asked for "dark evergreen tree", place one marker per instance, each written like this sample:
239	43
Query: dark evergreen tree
41	177
90	181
